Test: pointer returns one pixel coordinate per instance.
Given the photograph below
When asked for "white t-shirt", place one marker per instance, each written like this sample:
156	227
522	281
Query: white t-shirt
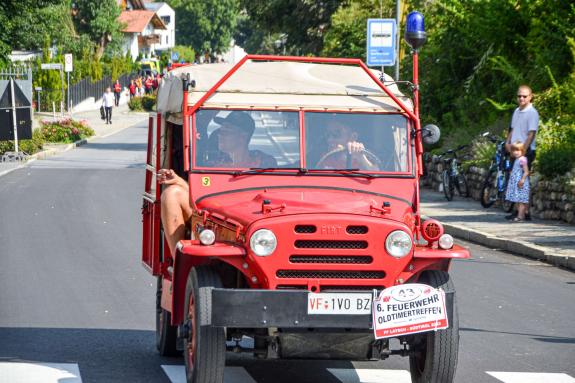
523	122
108	99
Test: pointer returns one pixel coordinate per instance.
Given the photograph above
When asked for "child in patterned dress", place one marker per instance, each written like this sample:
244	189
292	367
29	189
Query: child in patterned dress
518	188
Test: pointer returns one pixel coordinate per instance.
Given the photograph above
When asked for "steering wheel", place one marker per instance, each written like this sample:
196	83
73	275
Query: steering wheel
370	156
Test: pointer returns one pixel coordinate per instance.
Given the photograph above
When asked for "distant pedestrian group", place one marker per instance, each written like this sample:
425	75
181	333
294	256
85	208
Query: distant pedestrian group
141	85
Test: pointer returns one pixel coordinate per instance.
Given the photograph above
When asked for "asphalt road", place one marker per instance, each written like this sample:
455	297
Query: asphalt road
74	298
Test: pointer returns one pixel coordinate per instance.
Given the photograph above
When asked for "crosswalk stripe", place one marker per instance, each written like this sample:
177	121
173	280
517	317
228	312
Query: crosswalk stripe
17	372
531	377
367	375
177	374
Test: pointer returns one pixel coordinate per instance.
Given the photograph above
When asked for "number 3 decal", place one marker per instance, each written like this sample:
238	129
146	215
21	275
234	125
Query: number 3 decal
206	181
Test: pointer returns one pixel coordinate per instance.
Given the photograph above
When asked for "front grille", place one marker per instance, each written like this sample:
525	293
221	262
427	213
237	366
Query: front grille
345	259
305	229
330	274
326	244
328	288
354	229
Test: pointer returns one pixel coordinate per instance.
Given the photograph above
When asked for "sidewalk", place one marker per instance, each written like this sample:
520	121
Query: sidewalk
466	219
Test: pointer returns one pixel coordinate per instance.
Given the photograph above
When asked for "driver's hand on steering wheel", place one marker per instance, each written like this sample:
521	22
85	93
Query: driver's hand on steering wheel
357	152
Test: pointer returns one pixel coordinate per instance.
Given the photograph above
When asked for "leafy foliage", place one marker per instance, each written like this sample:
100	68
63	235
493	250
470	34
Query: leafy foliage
206	26
135	104
303	23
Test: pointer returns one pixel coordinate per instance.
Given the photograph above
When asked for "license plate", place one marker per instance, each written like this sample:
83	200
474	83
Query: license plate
339	303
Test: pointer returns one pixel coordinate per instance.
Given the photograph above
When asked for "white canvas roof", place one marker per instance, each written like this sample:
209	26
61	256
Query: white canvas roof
281	85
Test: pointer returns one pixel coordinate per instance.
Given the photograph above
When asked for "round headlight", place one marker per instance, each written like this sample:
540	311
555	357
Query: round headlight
207	237
398	243
263	242
446	241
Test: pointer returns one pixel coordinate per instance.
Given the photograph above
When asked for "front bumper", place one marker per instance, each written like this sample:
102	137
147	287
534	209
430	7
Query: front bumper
251	308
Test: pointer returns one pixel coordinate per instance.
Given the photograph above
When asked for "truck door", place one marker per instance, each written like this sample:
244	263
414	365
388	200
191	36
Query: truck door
151	236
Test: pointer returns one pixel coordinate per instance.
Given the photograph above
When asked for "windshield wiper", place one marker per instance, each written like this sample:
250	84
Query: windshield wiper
355	172
263	170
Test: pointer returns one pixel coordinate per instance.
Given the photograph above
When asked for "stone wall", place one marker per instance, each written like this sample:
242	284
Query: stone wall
554	200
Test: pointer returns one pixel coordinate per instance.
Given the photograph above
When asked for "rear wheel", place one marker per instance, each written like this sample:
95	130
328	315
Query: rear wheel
204	346
447	185
166	334
489	191
435	357
462	185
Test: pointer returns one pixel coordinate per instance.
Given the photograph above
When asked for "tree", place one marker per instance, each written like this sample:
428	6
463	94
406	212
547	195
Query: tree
26	22
208	25
99	20
303	23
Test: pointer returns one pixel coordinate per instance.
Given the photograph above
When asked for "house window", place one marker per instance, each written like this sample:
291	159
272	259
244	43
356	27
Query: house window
167	40
166	19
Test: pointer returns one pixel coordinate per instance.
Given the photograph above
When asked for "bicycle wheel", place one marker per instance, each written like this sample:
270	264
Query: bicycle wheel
489	191
447	185
461	183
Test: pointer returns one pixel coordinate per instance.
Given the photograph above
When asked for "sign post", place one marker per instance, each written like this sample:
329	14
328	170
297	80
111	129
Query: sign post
381	42
68	67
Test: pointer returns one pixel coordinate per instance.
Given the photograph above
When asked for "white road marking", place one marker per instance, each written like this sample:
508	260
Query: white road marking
365	375
18	372
177	374
531	377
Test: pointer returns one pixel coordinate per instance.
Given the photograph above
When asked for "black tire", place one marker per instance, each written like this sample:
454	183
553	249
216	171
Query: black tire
166	334
461	184
204	346
435	359
447	185
489	191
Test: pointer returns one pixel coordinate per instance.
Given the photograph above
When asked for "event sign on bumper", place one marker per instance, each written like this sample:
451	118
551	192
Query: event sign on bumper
408	309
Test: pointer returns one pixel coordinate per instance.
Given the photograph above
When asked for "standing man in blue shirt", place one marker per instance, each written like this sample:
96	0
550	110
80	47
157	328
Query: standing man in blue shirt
524	125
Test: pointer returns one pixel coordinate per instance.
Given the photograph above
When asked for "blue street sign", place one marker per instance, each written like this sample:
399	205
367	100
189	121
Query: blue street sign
175	56
381	42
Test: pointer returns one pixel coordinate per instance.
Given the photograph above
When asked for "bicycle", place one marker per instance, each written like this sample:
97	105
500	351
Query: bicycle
497	178
453	176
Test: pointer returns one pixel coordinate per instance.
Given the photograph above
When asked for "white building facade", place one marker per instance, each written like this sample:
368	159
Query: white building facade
168	17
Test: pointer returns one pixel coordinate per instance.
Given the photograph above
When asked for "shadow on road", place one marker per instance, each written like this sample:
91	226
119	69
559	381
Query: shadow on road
539	337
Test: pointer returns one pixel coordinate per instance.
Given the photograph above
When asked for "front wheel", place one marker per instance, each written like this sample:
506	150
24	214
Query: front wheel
489	191
435	356
447	185
204	346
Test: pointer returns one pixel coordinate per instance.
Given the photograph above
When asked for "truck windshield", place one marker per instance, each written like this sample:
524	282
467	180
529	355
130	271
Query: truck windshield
271	139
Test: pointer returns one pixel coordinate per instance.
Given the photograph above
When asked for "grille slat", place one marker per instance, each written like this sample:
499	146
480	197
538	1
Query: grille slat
305	229
330	274
351	259
356	229
328	244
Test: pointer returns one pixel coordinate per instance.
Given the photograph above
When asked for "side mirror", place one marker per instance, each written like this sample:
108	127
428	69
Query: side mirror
430	134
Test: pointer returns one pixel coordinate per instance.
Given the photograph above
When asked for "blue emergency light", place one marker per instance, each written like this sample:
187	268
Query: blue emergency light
415	35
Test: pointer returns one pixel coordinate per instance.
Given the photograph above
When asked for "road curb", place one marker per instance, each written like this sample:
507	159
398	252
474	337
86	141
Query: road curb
522	248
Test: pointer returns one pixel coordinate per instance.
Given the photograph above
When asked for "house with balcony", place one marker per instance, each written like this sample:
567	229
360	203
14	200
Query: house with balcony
149	27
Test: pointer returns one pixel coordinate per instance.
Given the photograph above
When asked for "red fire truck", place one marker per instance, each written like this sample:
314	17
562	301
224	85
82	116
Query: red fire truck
306	232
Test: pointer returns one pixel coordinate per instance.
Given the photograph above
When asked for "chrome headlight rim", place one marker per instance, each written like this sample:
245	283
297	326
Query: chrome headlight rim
263	242
403	239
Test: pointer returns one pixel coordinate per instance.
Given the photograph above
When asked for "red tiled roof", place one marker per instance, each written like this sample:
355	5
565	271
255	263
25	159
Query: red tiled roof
137	20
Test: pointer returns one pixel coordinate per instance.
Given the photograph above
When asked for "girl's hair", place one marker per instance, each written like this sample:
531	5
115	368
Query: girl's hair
518	145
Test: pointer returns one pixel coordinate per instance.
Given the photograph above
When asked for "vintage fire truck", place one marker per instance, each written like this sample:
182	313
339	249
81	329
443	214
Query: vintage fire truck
305	232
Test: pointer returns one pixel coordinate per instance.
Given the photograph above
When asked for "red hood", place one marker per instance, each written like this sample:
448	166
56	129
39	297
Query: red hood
245	207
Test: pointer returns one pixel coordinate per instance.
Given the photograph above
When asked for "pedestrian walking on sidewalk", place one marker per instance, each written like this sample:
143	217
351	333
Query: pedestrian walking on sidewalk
132	89
519	188
117	92
108	103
